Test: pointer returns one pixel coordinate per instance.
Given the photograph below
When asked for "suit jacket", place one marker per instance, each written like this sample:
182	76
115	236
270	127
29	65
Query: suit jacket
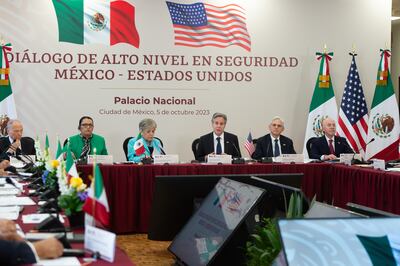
27	145
76	144
16	253
264	147
206	146
320	147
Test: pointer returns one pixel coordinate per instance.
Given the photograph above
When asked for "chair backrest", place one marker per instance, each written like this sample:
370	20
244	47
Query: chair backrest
309	145
125	146
162	144
195	146
255	143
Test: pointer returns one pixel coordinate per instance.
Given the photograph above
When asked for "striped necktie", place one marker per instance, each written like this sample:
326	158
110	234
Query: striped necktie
85	149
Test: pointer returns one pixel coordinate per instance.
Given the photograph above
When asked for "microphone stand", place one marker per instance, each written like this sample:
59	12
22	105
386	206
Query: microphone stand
236	160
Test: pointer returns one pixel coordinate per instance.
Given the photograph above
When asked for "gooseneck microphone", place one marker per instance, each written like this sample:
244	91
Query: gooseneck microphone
356	161
234	146
11	182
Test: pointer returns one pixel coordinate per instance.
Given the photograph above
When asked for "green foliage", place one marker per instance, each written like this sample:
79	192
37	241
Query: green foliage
70	203
265	245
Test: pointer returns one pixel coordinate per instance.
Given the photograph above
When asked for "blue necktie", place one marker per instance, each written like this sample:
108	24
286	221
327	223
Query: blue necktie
276	149
219	147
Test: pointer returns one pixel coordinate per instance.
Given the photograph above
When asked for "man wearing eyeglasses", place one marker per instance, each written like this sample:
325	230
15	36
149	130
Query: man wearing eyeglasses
84	143
274	144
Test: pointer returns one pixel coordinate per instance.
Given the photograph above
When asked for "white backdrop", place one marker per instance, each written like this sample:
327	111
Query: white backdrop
289	29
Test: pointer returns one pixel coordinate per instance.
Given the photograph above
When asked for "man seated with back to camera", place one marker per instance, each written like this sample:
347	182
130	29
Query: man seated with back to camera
84	143
329	146
145	144
274	144
15	251
219	141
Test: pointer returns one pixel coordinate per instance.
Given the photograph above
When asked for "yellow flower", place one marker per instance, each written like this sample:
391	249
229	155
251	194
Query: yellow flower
82	187
75	182
54	163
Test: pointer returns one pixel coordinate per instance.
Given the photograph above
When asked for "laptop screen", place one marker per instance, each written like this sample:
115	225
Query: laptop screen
348	241
221	212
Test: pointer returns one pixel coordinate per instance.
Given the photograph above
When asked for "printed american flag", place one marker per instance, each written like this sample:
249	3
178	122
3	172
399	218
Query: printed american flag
201	24
353	114
249	145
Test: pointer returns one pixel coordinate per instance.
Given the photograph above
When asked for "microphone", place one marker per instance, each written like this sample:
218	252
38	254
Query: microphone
11	182
356	161
236	160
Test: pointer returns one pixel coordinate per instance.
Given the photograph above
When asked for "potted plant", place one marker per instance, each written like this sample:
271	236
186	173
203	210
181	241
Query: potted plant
265	245
72	199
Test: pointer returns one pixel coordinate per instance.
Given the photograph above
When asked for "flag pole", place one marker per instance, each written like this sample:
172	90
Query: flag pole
94	187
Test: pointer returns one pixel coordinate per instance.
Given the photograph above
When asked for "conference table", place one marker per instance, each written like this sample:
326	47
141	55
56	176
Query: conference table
121	258
130	187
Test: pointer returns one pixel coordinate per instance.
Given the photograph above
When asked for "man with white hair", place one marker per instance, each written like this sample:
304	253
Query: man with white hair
15	144
329	146
274	143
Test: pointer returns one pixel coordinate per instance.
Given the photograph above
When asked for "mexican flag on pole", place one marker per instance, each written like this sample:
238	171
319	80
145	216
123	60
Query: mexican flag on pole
323	102
383	125
96	205
70	166
96	21
7	103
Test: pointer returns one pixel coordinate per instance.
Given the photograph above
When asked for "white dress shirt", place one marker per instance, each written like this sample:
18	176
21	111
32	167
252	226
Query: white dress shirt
273	145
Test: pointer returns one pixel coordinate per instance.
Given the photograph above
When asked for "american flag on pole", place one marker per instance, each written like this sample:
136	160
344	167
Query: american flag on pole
201	24
249	145
353	114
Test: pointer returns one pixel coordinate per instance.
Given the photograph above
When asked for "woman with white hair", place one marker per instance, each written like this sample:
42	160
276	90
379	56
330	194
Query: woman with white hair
145	144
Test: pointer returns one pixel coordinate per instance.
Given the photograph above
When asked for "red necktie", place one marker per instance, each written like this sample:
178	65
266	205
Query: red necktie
331	149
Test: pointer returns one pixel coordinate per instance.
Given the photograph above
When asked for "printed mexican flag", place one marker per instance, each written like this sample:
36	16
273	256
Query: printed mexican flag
323	102
96	21
383	125
96	204
7	103
139	145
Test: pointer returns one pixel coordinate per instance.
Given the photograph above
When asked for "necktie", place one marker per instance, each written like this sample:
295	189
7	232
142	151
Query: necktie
219	147
331	149
276	148
85	149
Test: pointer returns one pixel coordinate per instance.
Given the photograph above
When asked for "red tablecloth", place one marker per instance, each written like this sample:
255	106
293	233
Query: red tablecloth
130	187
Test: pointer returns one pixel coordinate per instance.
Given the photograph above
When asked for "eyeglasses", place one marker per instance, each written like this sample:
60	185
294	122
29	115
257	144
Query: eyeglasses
276	125
87	125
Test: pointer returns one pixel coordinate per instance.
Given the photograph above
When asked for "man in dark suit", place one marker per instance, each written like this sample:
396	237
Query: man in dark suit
329	146
218	141
274	143
15	251
14	143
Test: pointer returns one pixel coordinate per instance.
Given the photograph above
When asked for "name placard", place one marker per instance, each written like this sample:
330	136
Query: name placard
166	159
98	240
346	158
292	158
103	159
219	158
378	164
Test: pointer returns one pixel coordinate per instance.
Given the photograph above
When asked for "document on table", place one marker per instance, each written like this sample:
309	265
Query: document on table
67	261
5	191
19	201
10	213
36	218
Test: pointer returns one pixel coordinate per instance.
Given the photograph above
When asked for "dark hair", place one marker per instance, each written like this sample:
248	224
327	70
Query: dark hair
80	121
